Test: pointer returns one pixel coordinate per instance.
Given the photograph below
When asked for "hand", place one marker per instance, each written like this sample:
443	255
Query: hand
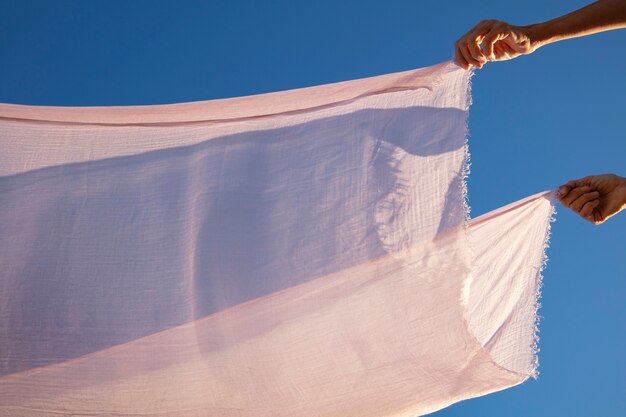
499	40
596	197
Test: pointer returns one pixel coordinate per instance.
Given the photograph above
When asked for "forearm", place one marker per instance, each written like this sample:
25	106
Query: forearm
600	16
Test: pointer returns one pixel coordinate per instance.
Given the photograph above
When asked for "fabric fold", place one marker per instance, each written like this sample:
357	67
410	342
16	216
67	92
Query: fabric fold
296	253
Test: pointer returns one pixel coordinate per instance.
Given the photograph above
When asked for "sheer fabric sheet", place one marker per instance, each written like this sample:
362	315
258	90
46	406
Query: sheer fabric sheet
303	253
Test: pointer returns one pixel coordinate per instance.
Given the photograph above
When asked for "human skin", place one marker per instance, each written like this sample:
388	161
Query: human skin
595	197
493	40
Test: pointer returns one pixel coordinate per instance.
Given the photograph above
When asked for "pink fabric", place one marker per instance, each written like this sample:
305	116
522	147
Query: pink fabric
302	253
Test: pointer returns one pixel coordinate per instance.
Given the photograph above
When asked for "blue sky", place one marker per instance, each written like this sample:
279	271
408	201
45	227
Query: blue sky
536	122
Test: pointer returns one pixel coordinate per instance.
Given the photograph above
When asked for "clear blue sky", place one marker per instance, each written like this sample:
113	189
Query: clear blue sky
536	122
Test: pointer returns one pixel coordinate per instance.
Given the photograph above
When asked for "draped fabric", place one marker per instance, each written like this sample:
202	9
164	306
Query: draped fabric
302	253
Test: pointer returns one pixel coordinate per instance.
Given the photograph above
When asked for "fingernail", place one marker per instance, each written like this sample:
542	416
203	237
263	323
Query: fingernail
561	191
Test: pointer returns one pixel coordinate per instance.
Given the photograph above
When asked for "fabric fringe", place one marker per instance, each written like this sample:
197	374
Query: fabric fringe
465	196
538	286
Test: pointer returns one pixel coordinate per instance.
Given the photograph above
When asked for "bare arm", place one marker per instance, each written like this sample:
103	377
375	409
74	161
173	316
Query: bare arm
597	17
492	40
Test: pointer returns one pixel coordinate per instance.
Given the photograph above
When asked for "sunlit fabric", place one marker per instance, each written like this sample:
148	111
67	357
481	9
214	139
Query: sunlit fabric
303	253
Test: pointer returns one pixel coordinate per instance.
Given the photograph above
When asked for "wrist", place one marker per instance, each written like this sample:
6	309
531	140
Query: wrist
538	35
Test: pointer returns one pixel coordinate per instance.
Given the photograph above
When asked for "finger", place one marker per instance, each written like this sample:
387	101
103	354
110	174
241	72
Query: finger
498	52
458	58
574	194
474	49
517	47
598	218
587	210
507	51
462	49
488	43
563	190
472	37
468	56
580	182
578	204
567	187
